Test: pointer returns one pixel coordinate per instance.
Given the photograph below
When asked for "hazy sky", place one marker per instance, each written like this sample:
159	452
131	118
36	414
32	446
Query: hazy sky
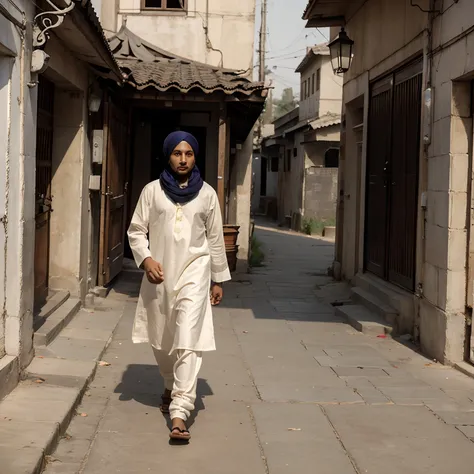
286	41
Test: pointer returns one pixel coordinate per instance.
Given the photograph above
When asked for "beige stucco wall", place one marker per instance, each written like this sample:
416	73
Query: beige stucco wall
441	268
329	97
230	29
70	223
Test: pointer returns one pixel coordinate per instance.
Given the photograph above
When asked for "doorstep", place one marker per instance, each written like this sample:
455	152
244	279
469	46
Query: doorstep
36	414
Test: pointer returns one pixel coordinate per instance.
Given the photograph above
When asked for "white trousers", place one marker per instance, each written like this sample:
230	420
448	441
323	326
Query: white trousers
180	372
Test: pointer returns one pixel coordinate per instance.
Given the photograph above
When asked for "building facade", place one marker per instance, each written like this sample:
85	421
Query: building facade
213	34
404	216
48	75
306	143
17	221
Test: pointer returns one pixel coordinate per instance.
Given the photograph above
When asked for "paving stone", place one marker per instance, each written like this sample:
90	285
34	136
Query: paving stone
46	367
458	418
348	361
22	460
58	467
23	434
359	372
277	392
72	450
297	437
400	382
467	431
79	349
394	439
413	395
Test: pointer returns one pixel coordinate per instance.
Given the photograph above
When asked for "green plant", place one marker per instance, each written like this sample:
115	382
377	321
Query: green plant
257	256
313	226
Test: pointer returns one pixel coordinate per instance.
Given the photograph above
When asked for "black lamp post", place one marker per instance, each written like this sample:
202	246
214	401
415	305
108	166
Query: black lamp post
341	52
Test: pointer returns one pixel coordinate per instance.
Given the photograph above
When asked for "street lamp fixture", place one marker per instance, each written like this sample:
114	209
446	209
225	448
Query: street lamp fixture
341	53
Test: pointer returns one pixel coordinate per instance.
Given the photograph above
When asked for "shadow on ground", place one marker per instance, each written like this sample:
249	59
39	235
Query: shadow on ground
144	384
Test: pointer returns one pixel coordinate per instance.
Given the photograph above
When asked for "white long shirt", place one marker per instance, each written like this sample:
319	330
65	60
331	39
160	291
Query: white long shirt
188	241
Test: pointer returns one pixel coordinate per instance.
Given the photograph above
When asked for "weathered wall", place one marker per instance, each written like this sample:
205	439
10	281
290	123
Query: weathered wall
17	168
320	193
441	266
328	99
70	223
230	29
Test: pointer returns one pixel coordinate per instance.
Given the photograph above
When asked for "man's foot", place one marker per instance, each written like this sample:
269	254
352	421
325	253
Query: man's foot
166	402
179	430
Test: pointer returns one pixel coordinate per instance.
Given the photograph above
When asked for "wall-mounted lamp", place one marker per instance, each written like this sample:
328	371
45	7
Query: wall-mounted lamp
341	53
94	102
95	97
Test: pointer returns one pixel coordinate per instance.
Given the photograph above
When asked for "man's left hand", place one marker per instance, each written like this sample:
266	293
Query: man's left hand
216	294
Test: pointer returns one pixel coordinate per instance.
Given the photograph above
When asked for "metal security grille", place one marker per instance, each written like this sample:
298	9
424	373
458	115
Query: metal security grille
392	176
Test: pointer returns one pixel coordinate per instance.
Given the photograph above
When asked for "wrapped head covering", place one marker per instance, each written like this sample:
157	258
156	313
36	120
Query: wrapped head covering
168	179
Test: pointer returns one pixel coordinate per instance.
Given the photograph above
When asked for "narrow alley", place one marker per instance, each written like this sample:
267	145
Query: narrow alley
290	389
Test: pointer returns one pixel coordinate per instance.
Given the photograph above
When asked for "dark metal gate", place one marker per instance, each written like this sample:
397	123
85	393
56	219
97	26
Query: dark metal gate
44	157
392	176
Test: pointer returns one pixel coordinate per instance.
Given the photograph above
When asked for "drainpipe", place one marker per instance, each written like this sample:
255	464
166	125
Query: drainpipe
426	141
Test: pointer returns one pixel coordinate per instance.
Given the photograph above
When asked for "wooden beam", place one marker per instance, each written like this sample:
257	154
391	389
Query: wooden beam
221	157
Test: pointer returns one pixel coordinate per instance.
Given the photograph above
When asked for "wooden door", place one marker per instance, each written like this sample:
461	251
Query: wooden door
44	158
114	190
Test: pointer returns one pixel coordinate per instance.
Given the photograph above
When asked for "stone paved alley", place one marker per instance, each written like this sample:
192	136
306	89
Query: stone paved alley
291	389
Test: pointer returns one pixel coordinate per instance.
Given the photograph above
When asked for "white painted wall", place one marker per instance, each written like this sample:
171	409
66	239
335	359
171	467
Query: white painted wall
230	29
17	168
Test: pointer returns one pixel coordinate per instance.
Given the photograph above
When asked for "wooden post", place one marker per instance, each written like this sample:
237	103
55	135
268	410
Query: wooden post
221	157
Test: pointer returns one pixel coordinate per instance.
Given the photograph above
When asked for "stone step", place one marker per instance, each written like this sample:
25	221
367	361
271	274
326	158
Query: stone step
53	325
53	303
363	320
36	414
374	304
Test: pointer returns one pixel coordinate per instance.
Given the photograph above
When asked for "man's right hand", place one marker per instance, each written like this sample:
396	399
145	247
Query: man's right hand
154	271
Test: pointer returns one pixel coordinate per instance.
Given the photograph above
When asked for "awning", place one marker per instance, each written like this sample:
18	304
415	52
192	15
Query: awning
84	37
329	12
325	121
324	129
146	65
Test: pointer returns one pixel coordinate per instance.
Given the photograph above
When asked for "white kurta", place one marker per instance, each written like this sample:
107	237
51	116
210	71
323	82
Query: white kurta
188	241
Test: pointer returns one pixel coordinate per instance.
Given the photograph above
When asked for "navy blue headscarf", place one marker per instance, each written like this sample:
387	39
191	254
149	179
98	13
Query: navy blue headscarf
168	178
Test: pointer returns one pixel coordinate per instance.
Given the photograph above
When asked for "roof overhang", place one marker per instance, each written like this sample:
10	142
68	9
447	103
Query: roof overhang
84	37
326	13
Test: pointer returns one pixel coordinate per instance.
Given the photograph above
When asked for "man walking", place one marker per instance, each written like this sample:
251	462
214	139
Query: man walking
176	237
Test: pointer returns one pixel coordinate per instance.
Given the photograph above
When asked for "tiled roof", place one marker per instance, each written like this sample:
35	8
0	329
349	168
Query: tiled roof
146	65
318	50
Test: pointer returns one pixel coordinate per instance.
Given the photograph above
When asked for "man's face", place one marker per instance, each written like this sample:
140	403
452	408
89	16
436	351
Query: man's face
182	160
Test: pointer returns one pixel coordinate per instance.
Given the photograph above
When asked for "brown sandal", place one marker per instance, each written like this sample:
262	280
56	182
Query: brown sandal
180	435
